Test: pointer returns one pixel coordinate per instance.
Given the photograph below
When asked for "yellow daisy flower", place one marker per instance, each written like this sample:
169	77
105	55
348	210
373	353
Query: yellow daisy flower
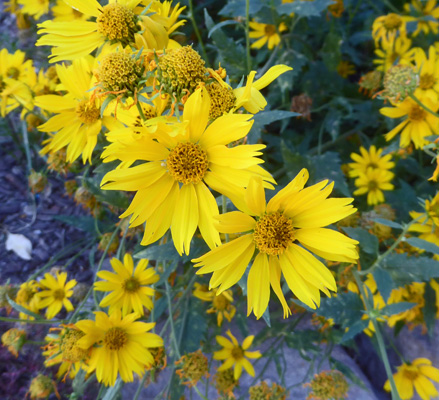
26	298
127	286
428	74
249	96
172	186
373	182
221	304
78	121
235	355
345	69
417	124
415	375
120	21
388	26
393	51
369	159
267	34
273	231
54	293
120	346
427	12
34	8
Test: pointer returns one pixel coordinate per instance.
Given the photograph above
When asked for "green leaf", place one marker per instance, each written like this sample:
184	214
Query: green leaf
113	392
328	166
237	7
405	269
221	24
368	242
346	371
305	8
397	308
267	117
423	245
169	269
387	222
195	328
355	329
384	282
84	223
163	252
21	309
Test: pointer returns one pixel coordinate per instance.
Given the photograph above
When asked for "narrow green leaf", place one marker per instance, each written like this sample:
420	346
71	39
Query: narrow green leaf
21	309
386	222
423	245
384	282
355	329
397	308
368	242
113	392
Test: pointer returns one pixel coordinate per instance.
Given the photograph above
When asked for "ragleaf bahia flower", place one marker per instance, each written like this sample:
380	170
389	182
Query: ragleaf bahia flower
272	233
369	159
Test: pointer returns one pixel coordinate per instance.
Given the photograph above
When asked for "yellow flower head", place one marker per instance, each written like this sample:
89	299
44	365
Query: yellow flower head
193	367
26	297
393	51
426	12
120	345
272	231
413	293
78	120
373	181
173	184
328	385
415	375
129	288
388	26
417	124
221	304
267	34
118	22
345	69
14	339
428	74
34	8
235	355
55	293
369	159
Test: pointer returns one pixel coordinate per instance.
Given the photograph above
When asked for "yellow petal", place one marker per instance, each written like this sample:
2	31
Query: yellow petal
196	111
273	73
255	197
258	286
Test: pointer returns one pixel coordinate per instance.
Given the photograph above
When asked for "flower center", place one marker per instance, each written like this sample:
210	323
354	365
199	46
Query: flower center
119	71
187	163
87	112
59	294
220	302
426	81
237	353
222	100
411	372
115	339
416	113
372	185
273	233
12	73
269	30
372	164
392	22
131	284
71	352
117	23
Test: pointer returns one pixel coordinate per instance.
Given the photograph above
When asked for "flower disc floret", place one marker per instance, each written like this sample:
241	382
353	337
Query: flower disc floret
71	352
392	21
118	23
187	163
87	112
119	71
273	233
222	100
115	338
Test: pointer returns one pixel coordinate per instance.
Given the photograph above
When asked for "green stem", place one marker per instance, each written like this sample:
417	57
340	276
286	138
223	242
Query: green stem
379	337
34	321
198	390
419	103
122	242
197	31
26	145
247	35
140	387
171	321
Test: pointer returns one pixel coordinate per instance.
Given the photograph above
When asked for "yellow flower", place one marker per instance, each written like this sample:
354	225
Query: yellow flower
388	26
428	74
120	346
373	181
426	16
117	22
413	293
26	298
267	33
415	375
235	355
394	51
345	69
417	124
369	159
34	8
221	303
78	121
127	286
173	185
293	215
54	293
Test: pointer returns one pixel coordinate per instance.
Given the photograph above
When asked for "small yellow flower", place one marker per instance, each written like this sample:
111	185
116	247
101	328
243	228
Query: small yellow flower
268	34
373	182
388	26
54	293
235	355
393	51
428	73
426	14
194	366
129	288
328	385
415	375
417	124
26	297
345	69
34	8
369	159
